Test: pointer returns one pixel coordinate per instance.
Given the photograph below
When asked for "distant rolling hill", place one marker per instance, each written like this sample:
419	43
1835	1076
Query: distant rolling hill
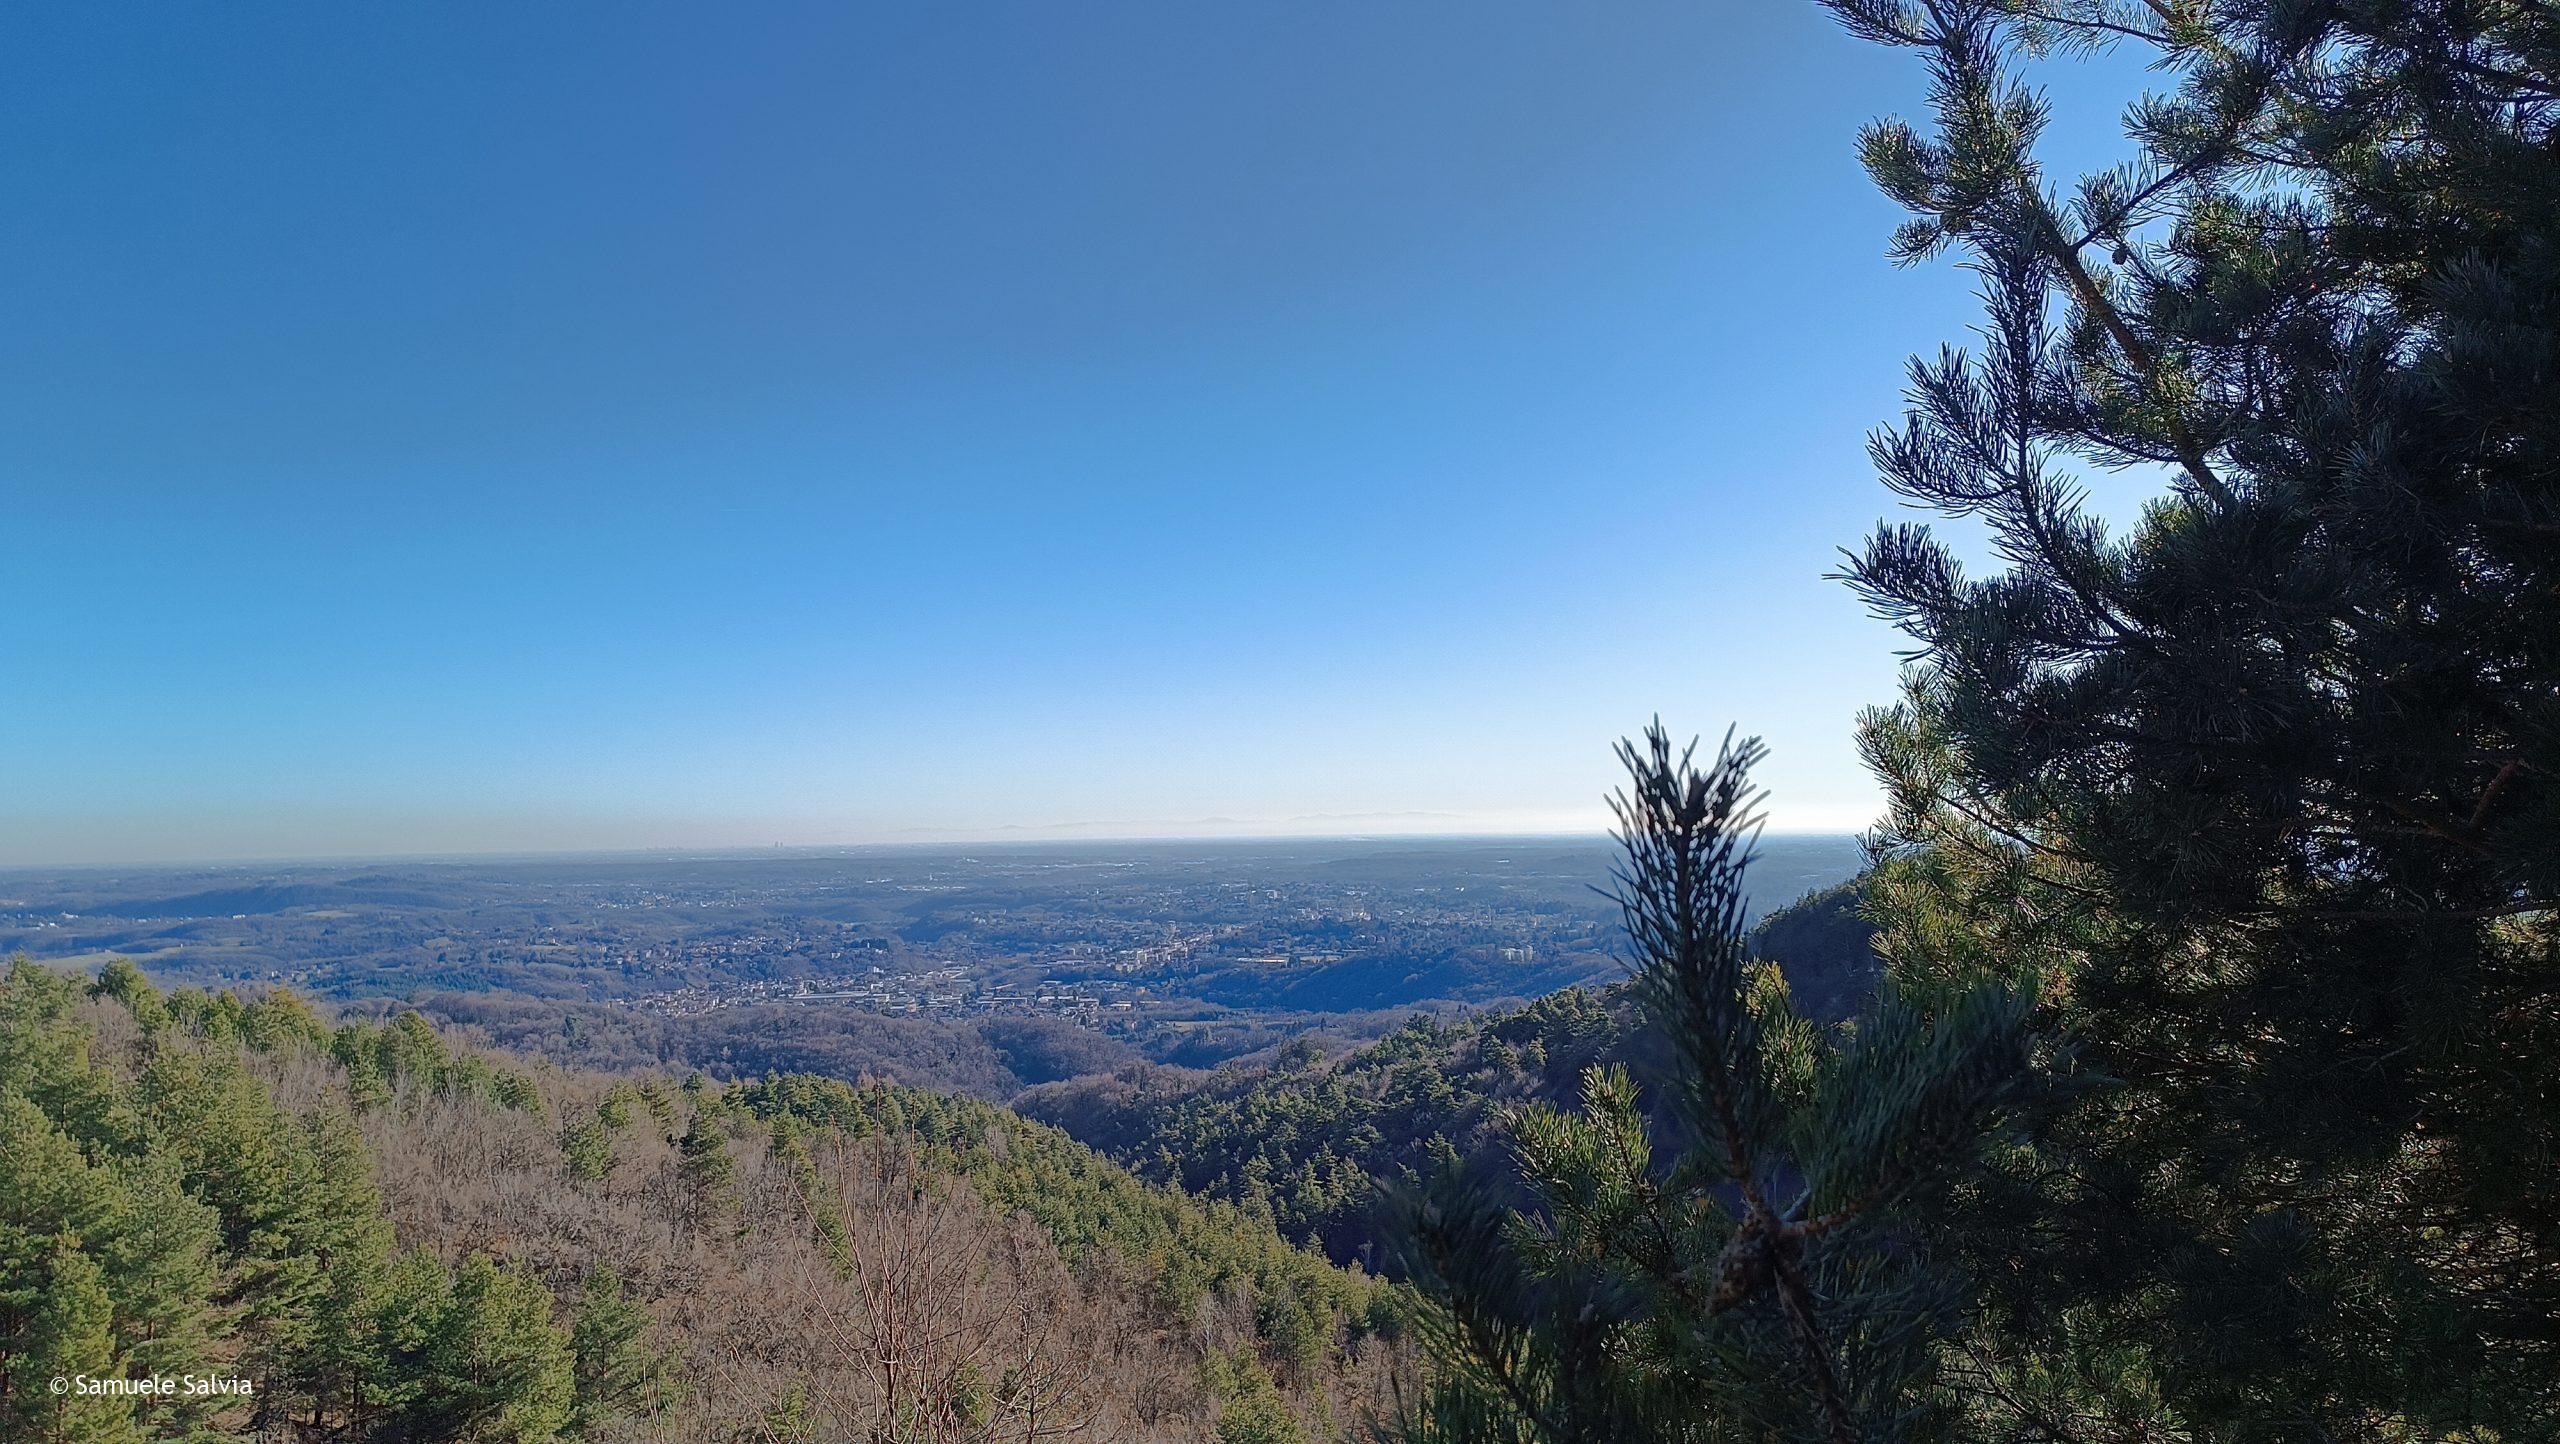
258	898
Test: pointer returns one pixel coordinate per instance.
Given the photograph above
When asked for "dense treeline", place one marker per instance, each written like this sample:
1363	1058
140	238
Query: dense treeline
736	1042
1301	1142
991	1058
389	1237
1304	1141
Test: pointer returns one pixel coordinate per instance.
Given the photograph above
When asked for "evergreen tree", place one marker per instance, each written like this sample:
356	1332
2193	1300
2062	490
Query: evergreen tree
465	1075
79	1216
237	1152
1250	1409
280	1020
517	1091
162	1259
704	1165
69	1339
125	983
472	1355
336	1223
192	1205
1752	1279
215	1018
616	1372
653	1096
44	1056
587	1149
504	1372
614	1112
410	1052
400	1334
792	1419
50	1198
366	1087
2263	794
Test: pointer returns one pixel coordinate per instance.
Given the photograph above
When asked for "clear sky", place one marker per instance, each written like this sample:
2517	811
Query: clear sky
454	427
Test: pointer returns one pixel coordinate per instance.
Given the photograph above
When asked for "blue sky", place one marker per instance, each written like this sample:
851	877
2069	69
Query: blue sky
479	427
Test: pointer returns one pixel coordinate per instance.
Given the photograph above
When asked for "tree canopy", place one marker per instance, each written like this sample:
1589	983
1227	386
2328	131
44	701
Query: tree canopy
2251	804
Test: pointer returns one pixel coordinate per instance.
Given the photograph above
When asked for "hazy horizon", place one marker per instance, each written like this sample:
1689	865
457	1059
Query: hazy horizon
1034	836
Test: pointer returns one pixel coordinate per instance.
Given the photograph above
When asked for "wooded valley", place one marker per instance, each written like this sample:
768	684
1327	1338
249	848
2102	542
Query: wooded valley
392	1237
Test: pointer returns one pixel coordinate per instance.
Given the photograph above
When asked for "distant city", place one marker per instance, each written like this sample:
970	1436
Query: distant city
1186	952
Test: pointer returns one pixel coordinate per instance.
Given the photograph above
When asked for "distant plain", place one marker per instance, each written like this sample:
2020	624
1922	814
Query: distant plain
985	968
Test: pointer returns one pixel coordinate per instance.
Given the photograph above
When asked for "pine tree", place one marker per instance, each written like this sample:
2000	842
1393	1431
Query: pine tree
614	1111
222	1018
587	1149
517	1092
162	1261
280	1020
2265	791
44	1054
653	1096
1751	1279
335	1221
399	1336
85	1222
708	1173
236	1149
504	1368
69	1339
471	1355
409	1052
1250	1409
125	983
616	1372
50	1198
792	1419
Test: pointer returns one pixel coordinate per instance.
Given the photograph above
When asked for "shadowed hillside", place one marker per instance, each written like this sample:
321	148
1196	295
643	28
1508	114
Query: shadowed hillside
1304	1140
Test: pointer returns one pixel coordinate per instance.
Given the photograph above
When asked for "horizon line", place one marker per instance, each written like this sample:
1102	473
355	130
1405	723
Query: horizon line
740	851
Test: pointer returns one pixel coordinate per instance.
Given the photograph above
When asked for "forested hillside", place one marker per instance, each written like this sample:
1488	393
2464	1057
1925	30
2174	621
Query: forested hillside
991	1058
2184	1069
1305	1141
362	1232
